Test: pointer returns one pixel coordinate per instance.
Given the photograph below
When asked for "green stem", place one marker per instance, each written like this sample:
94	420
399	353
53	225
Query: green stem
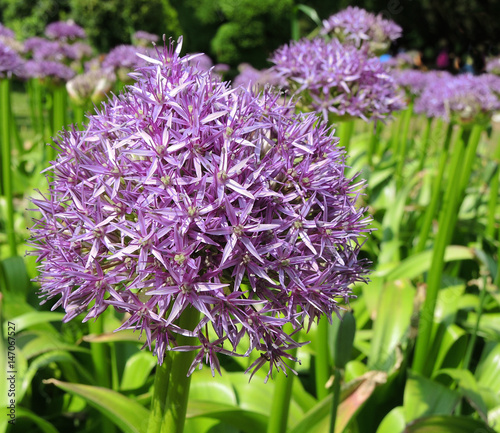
401	156
346	129
168	414
425	143
335	399
372	145
435	192
322	363
421	362
280	407
492	202
59	120
5	115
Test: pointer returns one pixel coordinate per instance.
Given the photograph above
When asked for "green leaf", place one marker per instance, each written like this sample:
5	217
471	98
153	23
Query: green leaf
246	420
124	412
114	337
424	397
42	424
391	324
417	264
218	389
488	368
393	422
494	418
34	343
137	370
310	12
15	274
33	318
344	340
447	424
450	345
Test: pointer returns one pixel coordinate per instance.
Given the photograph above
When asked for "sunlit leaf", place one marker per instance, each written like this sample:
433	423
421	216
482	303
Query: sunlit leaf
447	424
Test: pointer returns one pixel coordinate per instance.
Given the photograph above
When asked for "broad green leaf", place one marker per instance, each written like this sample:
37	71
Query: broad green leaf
393	422
114	337
494	418
417	264
354	369
127	414
41	423
310	12
218	389
344	340
488	369
33	318
469	388
246	420
447	304
424	397
489	324
15	274
450	344
447	424
137	370
34	343
44	360
391	324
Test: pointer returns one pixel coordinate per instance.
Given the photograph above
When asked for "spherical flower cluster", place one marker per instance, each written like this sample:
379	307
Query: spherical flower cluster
10	61
337	79
6	32
463	98
493	65
187	194
144	39
249	76
65	30
52	72
414	81
362	28
91	86
123	59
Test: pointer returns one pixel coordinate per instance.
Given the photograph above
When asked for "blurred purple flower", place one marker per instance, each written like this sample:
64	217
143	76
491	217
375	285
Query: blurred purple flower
357	26
414	82
51	71
6	32
123	59
91	87
144	39
249	76
185	193
337	79
65	30
463	98
10	62
493	65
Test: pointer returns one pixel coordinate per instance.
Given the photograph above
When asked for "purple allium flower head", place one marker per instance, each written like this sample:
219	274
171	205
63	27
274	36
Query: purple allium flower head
53	72
249	76
359	27
6	32
10	62
183	194
201	61
463	98
493	65
92	86
338	79
77	50
414	81
144	38
492	81
65	30
123	59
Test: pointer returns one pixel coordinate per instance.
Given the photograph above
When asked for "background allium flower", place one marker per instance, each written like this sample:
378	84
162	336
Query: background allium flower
10	62
249	76
185	193
91	87
463	98
338	79
493	65
414	82
360	27
123	59
6	32
144	38
65	30
50	71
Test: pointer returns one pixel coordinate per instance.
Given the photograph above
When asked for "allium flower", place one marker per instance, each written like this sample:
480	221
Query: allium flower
492	81
123	59
53	72
414	82
360	27
249	76
6	32
143	38
493	65
91	87
338	79
463	98
10	62
65	30
186	194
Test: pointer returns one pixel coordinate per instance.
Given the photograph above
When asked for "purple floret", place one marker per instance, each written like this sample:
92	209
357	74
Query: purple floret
358	26
10	62
249	76
183	194
338	79
48	69
65	30
6	32
144	38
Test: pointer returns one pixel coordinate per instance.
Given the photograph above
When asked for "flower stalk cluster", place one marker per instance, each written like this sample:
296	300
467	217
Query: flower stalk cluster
187	194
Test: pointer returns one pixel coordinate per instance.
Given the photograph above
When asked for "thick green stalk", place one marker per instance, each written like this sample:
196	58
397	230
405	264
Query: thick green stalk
421	362
435	191
425	143
168	414
401	156
280	407
492	202
372	145
346	129
322	363
5	115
